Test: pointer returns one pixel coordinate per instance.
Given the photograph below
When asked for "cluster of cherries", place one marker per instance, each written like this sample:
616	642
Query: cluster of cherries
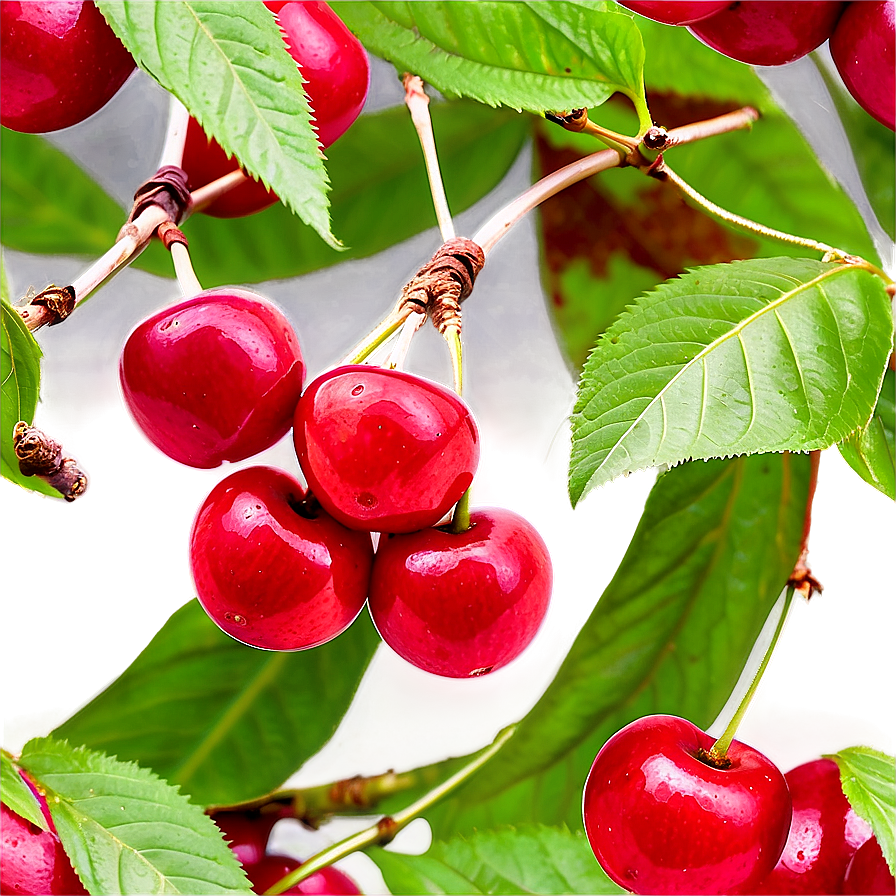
664	813
775	32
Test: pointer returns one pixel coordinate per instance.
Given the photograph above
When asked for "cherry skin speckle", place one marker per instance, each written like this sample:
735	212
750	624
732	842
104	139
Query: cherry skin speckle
662	820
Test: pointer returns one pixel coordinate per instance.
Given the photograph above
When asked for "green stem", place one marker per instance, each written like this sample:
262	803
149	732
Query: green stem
720	747
460	521
386	828
376	337
456	349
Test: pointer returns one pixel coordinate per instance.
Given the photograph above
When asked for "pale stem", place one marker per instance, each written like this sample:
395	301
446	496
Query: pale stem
744	223
399	352
183	268
500	224
418	104
376	337
386	828
456	350
176	135
206	195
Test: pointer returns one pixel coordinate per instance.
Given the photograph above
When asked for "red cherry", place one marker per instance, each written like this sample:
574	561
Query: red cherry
273	570
824	833
676	12
213	378
769	32
336	71
33	860
660	819
328	881
61	63
462	604
864	50
246	833
868	873
384	450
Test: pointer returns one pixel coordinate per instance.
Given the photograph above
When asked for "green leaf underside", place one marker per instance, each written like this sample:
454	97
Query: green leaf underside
227	722
228	64
126	830
871	451
17	794
869	782
756	356
670	634
20	376
528	859
530	56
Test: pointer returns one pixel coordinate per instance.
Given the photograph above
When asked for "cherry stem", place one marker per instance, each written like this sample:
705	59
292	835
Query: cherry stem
376	337
720	747
663	172
460	521
456	349
491	233
176	135
418	105
384	830
399	352
183	268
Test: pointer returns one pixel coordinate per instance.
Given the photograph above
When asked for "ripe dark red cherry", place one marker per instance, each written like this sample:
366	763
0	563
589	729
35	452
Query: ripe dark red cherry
273	570
384	450
824	834
336	71
660	819
33	860
464	604
864	50
675	12
326	882
61	63
247	833
868	873
213	378
769	32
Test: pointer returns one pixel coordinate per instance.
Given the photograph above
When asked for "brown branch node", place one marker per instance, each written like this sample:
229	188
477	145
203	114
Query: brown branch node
41	456
802	580
168	188
386	829
575	120
445	281
169	233
54	305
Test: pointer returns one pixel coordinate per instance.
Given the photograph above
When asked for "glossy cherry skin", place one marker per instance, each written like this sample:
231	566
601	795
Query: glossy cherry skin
660	820
336	71
864	50
328	881
824	834
273	570
247	833
32	861
461	605
216	377
384	450
769	32
868	873
61	63
676	12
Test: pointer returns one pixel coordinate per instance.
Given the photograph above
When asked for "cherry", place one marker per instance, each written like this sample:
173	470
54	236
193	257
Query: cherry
864	50
33	860
462	604
328	881
824	833
675	12
61	63
662	819
384	450
336	71
213	378
273	570
769	32
247	833
868	873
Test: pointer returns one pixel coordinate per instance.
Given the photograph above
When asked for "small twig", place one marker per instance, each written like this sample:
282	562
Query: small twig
41	456
801	579
418	105
577	122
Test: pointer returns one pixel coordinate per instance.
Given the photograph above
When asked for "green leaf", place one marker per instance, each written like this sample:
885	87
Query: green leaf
17	795
871	451
756	356
528	859
225	721
869	782
380	194
533	56
228	64
671	634
126	830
